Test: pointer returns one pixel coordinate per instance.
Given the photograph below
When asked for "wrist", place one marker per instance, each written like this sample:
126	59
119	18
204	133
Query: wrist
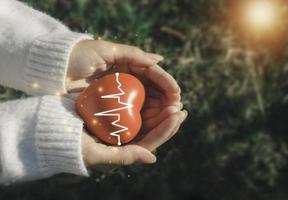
47	66
58	137
82	60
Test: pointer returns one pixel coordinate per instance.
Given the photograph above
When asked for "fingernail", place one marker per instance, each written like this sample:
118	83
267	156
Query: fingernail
158	57
155	57
153	158
185	114
180	106
148	158
174	109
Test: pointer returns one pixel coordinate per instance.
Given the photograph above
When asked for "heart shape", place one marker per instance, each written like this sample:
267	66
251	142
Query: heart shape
111	106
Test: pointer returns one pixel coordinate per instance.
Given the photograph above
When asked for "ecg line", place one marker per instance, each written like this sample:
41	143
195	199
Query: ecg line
111	112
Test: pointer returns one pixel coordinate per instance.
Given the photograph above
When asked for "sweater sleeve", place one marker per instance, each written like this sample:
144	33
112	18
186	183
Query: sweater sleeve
39	137
34	49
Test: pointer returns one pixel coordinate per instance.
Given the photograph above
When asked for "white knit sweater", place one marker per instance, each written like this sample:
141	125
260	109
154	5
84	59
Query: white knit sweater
39	136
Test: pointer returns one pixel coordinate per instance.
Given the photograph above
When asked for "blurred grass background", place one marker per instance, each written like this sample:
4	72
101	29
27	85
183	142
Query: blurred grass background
234	144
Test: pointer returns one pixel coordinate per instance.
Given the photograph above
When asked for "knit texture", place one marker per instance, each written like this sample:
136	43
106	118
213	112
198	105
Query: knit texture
34	49
48	63
58	140
40	137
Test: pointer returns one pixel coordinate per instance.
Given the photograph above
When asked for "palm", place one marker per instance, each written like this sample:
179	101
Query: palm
161	113
105	157
161	120
162	93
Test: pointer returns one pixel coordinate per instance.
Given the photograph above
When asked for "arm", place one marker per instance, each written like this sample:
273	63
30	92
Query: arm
34	49
39	137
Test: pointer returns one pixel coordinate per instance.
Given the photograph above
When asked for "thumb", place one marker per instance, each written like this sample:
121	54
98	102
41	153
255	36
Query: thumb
125	54
155	57
76	86
125	155
72	96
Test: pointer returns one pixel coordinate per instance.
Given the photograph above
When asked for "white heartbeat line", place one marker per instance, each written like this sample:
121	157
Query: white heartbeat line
112	111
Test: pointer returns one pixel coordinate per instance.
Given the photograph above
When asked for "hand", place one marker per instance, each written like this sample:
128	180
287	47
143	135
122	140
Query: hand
162	115
103	157
91	57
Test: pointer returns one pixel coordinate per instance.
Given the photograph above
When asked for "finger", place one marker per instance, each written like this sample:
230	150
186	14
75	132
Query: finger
161	79
120	53
151	102
125	155
158	99
160	133
153	92
183	117
149	113
153	122
155	57
76	86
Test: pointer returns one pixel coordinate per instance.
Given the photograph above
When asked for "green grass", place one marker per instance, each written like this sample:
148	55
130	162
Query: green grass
234	85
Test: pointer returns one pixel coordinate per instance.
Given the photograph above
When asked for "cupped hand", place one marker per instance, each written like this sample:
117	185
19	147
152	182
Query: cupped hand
161	113
102	156
91	57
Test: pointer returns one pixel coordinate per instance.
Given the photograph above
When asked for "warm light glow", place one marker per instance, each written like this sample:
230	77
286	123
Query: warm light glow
114	48
35	85
68	79
100	89
69	129
261	14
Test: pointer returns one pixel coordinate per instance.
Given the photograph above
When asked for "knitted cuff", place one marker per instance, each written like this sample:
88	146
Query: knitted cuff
58	137
48	62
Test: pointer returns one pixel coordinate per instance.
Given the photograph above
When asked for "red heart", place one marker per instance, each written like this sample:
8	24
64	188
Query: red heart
110	107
